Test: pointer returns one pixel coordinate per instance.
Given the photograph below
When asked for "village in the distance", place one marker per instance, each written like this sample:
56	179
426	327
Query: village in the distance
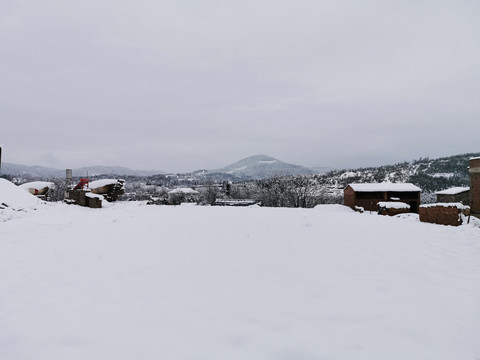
443	190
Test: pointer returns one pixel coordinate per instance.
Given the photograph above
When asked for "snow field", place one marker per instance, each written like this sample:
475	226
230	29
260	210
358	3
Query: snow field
186	282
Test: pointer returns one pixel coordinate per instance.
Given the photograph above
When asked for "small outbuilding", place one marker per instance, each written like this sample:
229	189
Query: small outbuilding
454	195
368	195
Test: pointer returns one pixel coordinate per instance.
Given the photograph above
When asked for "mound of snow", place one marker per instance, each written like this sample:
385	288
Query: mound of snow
15	197
334	208
393	205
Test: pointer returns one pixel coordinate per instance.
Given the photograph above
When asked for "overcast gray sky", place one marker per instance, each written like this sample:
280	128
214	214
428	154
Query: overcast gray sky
183	85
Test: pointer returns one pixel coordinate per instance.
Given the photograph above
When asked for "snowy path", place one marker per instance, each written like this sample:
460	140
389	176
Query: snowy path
150	282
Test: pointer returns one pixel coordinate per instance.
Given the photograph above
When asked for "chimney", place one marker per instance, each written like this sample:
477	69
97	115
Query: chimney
474	171
68	176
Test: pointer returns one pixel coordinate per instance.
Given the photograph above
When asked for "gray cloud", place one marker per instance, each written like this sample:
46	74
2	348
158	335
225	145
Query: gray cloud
200	84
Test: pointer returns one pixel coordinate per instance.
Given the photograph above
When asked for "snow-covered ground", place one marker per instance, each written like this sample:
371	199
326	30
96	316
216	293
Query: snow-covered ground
132	281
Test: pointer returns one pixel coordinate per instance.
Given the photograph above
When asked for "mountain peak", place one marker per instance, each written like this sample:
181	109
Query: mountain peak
263	166
260	157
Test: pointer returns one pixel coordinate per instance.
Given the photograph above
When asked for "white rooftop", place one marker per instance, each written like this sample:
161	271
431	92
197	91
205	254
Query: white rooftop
100	183
183	191
453	191
385	186
37	185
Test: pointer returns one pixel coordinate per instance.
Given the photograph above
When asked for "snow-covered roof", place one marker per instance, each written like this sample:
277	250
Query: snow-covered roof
183	191
393	205
93	196
457	205
453	191
475	158
36	185
385	186
100	183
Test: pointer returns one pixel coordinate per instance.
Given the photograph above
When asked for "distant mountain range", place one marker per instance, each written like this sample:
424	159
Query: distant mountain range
42	172
254	167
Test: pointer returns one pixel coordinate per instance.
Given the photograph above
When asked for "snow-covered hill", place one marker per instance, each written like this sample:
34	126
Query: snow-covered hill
35	172
132	281
113	170
429	174
262	166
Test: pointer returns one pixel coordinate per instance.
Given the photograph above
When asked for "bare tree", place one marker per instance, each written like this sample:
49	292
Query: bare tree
209	193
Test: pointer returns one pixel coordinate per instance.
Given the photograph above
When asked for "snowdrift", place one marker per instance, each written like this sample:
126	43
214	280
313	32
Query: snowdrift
15	197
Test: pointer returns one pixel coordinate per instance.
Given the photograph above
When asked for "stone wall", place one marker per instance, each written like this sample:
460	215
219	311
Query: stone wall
79	197
443	213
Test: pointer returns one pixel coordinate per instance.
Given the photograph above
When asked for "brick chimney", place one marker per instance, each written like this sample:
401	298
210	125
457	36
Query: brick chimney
474	171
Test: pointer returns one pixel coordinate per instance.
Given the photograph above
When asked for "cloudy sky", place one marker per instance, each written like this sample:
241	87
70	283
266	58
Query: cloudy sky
183	85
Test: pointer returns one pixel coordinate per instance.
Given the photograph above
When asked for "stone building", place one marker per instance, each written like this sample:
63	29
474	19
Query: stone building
443	213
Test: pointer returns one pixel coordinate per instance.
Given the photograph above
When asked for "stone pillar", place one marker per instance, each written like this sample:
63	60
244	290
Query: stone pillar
474	171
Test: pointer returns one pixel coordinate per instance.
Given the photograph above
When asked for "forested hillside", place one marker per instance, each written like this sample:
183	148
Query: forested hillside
429	174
